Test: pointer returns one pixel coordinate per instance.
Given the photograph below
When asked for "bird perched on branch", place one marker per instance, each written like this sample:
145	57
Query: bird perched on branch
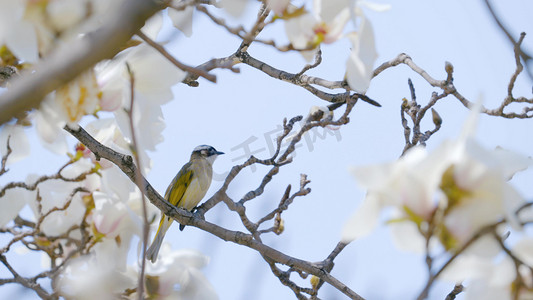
186	190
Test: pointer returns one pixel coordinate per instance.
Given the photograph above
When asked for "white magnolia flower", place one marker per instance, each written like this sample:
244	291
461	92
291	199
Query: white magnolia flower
17	33
106	131
360	64
11	203
99	275
459	188
278	6
234	7
182	19
154	77
66	106
179	269
49	126
55	194
78	98
494	279
111	217
56	21
64	14
325	25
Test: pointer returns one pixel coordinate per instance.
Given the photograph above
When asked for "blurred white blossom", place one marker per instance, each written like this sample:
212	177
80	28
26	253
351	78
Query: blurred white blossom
179	269
459	188
182	19
99	275
234	7
60	200
154	77
495	279
307	30
360	64
17	33
278	6
78	98
11	203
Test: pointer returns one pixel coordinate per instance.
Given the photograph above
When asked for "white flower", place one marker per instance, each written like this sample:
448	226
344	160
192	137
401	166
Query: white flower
477	191
78	98
11	204
49	126
179	268
324	25
360	64
494	279
99	275
111	217
17	33
278	6
234	7
359	67
64	14
106	131
57	194
66	106
154	77
182	19
459	188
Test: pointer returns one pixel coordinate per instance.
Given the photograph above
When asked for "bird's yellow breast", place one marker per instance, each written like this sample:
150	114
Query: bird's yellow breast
193	194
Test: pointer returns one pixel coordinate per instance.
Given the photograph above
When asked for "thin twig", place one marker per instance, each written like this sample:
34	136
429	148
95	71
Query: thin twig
3	169
135	150
33	187
525	56
174	61
188	218
457	289
483	231
448	88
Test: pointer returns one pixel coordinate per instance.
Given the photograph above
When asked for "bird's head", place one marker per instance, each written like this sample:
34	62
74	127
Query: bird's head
206	152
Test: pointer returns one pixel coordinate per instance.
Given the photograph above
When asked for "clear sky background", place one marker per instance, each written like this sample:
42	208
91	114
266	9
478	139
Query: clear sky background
250	106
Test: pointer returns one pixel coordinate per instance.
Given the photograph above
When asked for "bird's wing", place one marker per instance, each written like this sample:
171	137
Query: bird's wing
179	184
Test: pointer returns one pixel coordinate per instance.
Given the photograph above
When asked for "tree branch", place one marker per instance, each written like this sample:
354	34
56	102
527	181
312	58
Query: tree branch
448	88
125	163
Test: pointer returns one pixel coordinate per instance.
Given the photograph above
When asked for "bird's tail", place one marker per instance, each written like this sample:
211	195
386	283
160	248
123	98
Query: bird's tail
164	224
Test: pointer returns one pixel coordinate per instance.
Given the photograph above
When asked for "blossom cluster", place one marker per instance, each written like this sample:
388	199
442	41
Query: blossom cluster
91	201
447	201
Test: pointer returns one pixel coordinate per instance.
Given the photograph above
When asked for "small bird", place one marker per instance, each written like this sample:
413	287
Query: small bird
186	190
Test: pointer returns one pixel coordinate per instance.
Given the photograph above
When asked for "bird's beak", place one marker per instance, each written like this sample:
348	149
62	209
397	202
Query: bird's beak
219	153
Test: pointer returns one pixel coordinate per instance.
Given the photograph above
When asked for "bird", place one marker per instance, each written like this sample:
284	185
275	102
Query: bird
186	190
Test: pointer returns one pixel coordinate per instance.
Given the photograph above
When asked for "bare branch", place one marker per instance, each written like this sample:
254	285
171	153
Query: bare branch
448	87
184	217
31	284
174	61
186	3
237	31
135	150
32	187
525	56
457	289
483	231
3	169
